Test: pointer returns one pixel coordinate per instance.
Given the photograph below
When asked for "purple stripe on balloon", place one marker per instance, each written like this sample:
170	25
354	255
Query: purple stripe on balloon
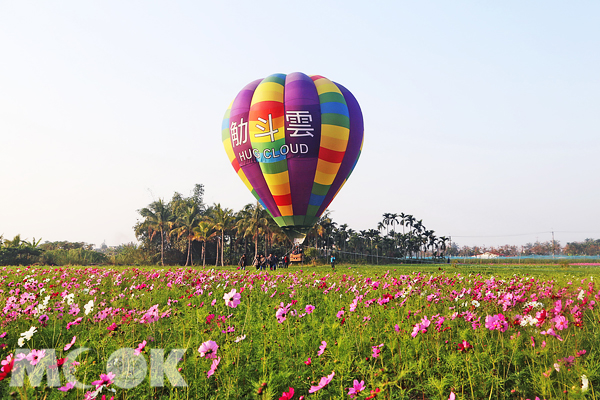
352	150
303	113
242	147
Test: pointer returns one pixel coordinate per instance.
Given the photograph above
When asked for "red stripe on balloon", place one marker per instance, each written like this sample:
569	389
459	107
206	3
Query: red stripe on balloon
283	200
236	164
275	108
331	156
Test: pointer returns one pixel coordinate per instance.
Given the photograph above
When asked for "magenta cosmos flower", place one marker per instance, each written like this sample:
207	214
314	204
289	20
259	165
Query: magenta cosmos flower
322	383
35	356
322	348
496	322
232	299
105	379
208	349
561	322
213	367
309	309
356	388
287	395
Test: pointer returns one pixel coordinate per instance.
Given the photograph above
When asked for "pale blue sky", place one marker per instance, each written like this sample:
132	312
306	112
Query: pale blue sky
481	118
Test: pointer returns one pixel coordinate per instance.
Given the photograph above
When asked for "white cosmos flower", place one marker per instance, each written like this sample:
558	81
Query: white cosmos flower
29	334
584	383
89	307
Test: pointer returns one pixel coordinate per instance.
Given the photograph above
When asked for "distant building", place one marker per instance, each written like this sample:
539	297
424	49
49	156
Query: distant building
487	255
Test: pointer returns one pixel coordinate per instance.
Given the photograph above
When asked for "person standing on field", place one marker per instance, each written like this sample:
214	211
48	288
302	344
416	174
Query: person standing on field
256	261
242	262
332	261
263	262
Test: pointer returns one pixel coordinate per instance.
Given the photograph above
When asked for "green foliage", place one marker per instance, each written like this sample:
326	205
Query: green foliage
18	252
78	256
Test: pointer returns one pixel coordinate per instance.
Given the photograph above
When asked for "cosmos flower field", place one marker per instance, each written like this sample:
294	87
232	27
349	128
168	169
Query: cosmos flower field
312	333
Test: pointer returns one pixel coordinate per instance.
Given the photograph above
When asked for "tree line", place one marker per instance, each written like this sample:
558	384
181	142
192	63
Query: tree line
589	247
185	231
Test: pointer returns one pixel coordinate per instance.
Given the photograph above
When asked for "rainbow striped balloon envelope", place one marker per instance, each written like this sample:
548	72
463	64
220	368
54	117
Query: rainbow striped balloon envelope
294	141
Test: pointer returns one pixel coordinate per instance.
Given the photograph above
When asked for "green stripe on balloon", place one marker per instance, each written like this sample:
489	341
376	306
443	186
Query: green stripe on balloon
335	119
274	168
330	97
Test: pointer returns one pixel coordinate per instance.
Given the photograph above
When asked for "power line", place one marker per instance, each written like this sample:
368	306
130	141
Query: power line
521	234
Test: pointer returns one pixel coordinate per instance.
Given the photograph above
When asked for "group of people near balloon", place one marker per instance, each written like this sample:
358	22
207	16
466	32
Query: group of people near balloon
260	262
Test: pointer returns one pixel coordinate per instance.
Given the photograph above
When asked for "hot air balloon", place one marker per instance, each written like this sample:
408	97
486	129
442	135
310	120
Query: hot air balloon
293	140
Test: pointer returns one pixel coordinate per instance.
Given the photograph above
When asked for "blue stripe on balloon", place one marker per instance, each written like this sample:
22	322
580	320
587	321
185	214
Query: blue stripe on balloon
316	200
262	203
225	124
334	108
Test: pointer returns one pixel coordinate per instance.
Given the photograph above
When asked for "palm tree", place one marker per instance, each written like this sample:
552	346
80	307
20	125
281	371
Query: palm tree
187	220
159	218
223	220
203	231
253	222
385	222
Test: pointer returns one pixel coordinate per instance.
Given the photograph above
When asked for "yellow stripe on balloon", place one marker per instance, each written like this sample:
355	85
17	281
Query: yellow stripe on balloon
268	91
279	190
334	143
324	179
279	179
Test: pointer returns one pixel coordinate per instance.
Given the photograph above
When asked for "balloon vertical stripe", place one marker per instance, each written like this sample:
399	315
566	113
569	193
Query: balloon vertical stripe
335	130
352	153
225	136
239	125
267	134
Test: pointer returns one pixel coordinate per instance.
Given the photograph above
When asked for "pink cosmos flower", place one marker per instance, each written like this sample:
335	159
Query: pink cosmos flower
340	314
112	327
322	383
35	356
282	312
309	309
139	349
307	362
105	380
68	345
356	388
232	299
322	348
561	322
452	396
287	395
208	349
76	322
464	346
496	322
397	328
551	332
7	361
67	387
421	326
376	350
150	316
213	367
228	330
